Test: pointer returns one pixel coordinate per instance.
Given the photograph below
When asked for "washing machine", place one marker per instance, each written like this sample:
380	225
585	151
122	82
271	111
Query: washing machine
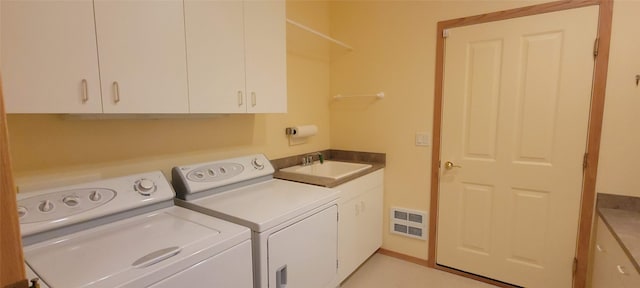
294	225
126	232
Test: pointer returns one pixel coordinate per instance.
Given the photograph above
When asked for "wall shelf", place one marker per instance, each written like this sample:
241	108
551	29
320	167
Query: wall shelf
378	95
321	35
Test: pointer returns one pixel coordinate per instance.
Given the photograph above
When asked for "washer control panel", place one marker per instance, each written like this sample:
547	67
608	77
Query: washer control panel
53	208
212	175
62	204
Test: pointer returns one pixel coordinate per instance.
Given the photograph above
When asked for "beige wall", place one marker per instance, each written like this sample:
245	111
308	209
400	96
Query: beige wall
51	148
620	149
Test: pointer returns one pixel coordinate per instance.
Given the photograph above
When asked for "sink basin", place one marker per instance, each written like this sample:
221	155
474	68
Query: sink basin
330	169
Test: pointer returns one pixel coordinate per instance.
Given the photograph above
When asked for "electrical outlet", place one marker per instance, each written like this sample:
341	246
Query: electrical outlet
422	139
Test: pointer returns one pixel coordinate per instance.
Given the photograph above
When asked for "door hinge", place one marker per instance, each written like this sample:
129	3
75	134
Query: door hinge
585	160
596	47
338	217
445	33
575	265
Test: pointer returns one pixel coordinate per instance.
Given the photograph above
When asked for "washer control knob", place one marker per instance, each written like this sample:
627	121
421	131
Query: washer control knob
200	174
22	211
45	206
145	186
211	172
257	163
71	201
95	196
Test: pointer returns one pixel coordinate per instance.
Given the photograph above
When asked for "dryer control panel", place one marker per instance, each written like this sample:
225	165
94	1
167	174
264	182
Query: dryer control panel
218	176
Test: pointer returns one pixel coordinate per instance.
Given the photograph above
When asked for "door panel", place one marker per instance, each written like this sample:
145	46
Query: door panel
482	99
540	74
515	114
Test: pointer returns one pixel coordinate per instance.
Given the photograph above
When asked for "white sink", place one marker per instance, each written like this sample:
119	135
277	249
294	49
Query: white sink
329	169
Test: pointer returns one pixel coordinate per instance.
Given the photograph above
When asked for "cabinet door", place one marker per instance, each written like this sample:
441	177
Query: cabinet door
370	223
348	255
266	59
49	57
142	56
215	56
609	260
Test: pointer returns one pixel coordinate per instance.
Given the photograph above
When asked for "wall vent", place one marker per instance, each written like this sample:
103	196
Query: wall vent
410	223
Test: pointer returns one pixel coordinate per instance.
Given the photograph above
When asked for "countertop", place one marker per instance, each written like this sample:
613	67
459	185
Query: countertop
624	223
377	161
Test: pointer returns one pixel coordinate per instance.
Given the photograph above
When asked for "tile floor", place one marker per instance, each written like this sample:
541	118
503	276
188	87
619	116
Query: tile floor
382	271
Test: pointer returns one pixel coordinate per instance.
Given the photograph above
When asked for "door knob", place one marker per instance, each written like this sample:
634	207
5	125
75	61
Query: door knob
449	165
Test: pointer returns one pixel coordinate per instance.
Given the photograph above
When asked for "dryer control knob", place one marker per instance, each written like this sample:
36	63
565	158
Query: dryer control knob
71	201
22	211
45	206
145	186
257	163
95	196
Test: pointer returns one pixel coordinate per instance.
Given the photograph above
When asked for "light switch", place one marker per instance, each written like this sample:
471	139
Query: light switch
422	139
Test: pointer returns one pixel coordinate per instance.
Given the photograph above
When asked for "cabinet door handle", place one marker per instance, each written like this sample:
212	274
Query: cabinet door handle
253	99
85	91
116	92
621	269
240	101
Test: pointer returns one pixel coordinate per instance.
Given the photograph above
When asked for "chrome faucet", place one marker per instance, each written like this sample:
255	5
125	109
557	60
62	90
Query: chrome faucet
308	159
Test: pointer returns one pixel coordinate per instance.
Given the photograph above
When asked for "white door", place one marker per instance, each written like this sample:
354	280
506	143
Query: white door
514	127
266	56
305	254
142	56
215	54
49	57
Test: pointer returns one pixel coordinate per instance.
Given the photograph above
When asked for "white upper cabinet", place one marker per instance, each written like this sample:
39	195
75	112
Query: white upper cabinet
49	57
131	56
236	53
142	56
266	56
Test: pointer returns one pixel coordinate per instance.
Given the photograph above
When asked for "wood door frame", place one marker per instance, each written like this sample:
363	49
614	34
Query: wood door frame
601	64
12	273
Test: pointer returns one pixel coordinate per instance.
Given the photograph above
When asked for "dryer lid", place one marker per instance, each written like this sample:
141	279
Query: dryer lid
119	253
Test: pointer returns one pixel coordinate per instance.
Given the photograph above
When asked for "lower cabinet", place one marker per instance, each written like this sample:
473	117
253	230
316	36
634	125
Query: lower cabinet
360	221
612	268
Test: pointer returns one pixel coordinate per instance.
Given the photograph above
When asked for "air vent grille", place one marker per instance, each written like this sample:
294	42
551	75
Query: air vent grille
410	223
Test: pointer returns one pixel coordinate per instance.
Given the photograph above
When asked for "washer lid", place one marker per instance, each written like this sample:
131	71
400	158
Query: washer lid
264	205
134	252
